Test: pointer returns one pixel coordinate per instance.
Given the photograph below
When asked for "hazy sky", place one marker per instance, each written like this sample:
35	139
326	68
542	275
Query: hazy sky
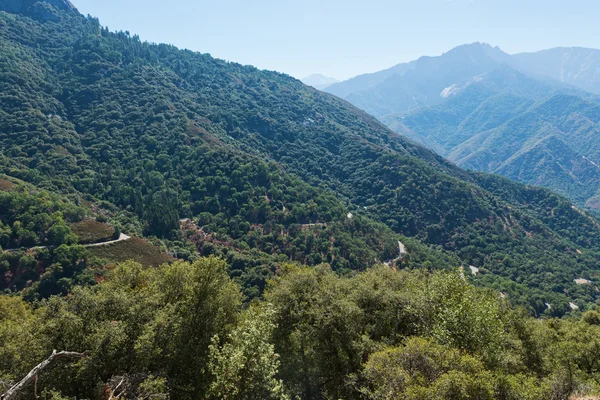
343	38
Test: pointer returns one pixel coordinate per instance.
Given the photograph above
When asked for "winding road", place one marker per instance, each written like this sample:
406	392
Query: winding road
403	252
121	238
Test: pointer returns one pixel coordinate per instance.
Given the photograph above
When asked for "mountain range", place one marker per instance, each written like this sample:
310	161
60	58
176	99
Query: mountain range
529	117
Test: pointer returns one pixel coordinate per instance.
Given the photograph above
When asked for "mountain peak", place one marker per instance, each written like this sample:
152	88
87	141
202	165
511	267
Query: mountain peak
480	50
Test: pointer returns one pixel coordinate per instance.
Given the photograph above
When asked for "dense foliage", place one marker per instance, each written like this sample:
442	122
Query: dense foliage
29	218
36	219
178	331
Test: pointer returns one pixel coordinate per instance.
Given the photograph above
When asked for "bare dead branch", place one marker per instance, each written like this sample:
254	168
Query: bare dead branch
114	391
13	392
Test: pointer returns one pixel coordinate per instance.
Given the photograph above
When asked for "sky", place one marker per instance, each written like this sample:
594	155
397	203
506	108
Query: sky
345	38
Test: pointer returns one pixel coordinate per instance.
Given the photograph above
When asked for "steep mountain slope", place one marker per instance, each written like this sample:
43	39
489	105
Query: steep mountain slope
553	143
550	143
572	65
271	170
474	106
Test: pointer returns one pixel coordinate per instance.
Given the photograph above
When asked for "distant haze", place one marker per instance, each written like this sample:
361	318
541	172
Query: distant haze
344	38
531	117
319	81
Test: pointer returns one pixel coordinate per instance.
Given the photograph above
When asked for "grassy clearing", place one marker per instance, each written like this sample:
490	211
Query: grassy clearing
92	231
135	249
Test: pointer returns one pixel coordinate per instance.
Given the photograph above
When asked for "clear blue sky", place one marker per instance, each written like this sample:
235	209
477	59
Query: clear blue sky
343	38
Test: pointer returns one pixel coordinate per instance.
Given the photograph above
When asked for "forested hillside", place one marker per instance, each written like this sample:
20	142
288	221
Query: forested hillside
50	243
31	218
269	170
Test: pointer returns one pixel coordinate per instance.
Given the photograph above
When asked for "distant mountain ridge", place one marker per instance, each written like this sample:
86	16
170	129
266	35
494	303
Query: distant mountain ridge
319	81
367	81
553	143
527	117
424	82
572	65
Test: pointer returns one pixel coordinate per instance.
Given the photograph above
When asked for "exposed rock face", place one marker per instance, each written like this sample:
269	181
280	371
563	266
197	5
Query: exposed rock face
29	6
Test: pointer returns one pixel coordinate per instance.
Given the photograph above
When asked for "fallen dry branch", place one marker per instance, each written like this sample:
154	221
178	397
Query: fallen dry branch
13	392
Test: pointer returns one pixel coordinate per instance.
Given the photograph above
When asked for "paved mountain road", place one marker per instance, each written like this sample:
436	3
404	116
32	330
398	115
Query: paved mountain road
121	238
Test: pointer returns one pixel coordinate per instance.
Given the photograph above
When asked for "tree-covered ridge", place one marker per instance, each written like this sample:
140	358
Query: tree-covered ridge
179	331
553	148
186	173
257	159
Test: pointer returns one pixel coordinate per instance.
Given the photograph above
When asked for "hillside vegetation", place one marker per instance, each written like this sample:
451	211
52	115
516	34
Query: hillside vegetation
46	239
178	331
547	143
270	170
